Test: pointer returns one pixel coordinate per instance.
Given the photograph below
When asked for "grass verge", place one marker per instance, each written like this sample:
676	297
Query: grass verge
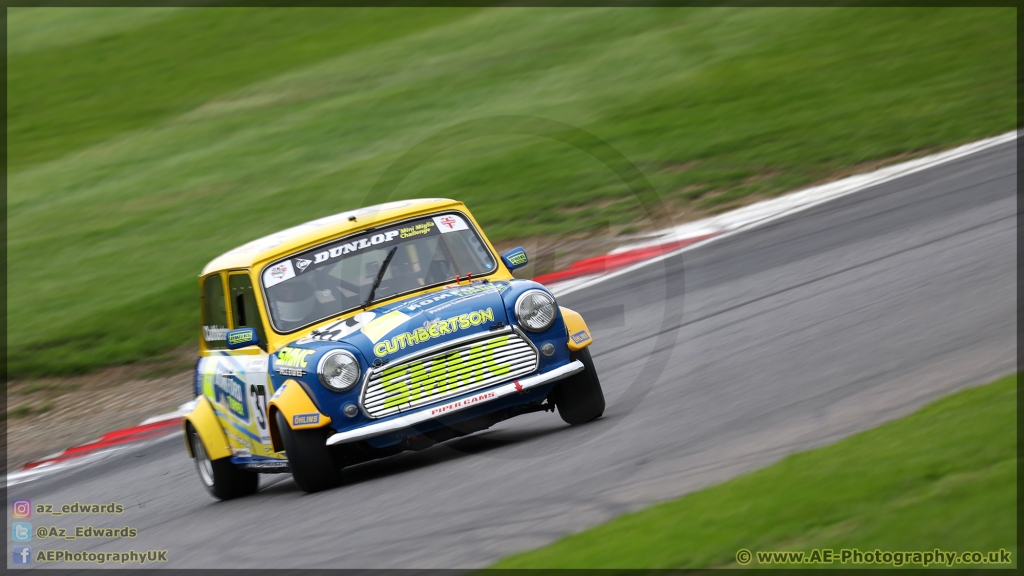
944	477
142	144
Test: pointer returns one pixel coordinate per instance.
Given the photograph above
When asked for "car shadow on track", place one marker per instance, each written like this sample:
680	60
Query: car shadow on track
452	450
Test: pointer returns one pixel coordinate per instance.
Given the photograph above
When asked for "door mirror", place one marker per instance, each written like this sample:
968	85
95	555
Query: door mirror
242	337
515	258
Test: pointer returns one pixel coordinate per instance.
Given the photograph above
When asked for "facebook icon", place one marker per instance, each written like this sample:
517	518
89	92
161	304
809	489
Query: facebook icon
22	555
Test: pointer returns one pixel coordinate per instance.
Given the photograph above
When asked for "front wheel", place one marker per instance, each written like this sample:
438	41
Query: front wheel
313	469
579	397
221	478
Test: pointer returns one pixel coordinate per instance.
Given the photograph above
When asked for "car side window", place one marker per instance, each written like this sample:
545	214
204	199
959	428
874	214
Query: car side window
243	304
215	313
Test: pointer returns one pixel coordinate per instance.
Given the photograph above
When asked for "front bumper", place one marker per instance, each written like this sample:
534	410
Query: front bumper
472	400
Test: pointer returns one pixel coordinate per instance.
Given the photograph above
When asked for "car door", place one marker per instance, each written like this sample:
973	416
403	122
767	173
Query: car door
251	362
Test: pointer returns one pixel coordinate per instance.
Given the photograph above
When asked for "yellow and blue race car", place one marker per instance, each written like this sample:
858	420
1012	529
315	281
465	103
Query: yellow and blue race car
361	335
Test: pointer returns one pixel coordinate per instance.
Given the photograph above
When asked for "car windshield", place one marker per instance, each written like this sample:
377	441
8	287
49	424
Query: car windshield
334	278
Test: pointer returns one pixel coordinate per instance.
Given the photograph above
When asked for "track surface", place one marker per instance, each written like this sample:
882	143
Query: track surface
786	337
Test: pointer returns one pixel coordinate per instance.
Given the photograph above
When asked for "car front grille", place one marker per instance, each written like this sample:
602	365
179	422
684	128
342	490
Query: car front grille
450	372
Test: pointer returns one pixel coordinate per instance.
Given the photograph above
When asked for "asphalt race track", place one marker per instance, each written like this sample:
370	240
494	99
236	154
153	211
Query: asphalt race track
777	339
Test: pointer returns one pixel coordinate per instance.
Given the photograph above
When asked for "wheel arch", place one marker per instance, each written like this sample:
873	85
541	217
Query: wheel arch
291	399
576	327
204	421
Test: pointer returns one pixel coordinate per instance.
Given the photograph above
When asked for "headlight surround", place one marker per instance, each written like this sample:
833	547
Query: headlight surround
338	370
535	310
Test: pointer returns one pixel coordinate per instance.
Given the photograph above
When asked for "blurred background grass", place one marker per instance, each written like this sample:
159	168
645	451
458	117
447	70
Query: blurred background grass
144	142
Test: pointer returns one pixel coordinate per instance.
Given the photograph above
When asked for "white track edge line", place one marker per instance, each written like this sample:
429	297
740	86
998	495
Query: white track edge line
910	167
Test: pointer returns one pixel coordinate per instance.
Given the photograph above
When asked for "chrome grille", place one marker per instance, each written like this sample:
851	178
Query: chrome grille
453	371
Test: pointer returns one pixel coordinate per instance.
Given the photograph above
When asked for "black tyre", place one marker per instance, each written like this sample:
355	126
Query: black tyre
221	478
579	398
313	469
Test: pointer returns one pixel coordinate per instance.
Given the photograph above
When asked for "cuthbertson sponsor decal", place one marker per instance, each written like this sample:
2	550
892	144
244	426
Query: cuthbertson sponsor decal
443	374
436	330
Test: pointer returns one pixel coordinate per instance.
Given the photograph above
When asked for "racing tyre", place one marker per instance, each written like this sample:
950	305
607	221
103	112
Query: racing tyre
313	469
221	478
579	398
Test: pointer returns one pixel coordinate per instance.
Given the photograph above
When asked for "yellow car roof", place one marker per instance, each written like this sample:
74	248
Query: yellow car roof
323	229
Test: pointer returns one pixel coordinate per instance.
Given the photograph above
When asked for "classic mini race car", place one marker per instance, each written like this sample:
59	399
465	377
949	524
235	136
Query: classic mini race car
361	335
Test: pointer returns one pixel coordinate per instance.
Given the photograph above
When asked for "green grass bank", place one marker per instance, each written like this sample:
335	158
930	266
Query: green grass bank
144	142
944	477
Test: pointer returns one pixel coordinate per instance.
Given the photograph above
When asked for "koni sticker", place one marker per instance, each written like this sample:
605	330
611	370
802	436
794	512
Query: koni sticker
436	329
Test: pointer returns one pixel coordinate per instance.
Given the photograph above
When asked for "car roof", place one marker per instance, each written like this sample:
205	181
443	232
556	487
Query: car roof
323	229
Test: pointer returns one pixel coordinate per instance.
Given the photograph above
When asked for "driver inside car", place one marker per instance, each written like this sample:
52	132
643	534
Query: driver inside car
293	302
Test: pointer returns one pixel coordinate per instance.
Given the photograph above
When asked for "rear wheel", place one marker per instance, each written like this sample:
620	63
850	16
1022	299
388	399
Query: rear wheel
579	397
313	469
221	478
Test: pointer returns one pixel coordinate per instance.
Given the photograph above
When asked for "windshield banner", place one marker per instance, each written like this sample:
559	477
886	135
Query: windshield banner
430	226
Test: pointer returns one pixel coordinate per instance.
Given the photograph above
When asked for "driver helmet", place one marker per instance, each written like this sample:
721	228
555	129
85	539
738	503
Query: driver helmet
293	300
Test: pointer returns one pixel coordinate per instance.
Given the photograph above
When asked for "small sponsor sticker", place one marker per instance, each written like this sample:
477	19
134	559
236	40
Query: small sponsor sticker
462	403
289	371
518	258
304	419
265	465
241	336
450	223
301	263
278	273
580	337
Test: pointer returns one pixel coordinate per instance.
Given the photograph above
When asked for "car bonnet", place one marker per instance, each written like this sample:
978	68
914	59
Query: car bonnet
425	320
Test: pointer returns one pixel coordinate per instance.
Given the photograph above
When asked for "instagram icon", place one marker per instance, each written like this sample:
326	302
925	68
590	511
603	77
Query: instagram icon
21	509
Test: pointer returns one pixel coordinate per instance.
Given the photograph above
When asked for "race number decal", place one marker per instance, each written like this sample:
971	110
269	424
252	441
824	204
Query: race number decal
258	397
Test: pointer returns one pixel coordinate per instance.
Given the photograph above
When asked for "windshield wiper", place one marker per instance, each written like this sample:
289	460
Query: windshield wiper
380	276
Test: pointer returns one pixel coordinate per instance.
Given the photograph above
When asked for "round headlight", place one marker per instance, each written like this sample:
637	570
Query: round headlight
338	370
535	310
